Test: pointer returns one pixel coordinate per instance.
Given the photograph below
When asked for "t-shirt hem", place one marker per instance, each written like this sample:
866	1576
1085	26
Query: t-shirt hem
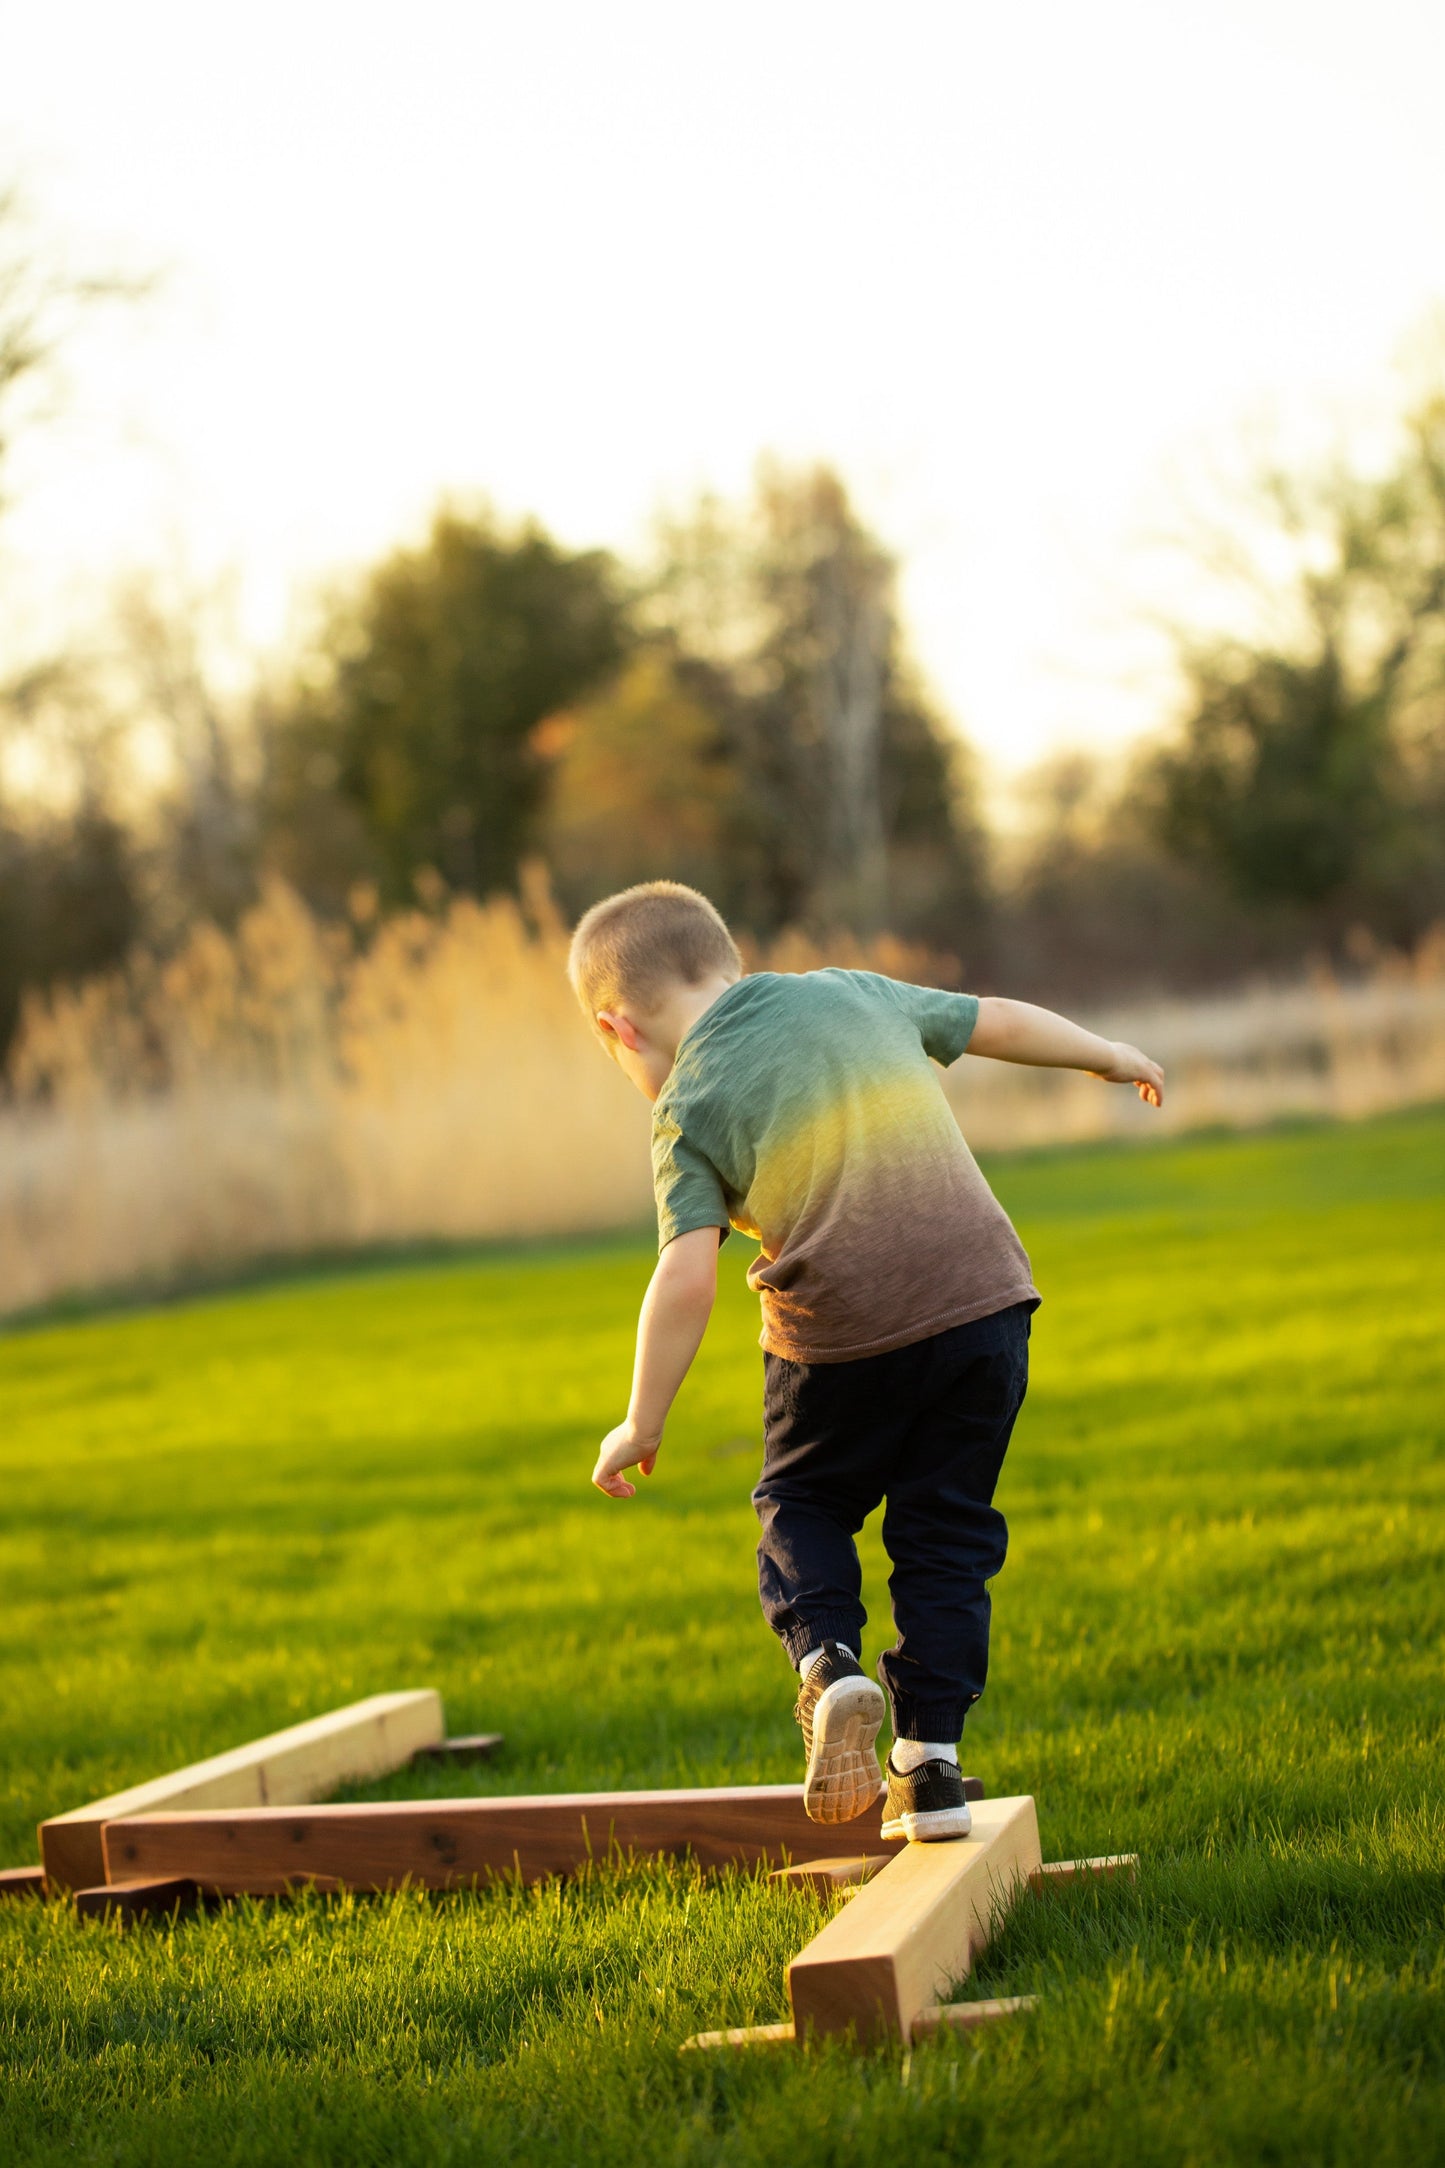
922	1329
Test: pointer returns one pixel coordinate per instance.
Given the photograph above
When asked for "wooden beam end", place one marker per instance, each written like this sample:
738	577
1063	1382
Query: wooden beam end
366	1739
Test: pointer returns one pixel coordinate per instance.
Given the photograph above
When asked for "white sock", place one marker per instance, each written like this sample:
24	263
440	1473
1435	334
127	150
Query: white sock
909	1754
813	1655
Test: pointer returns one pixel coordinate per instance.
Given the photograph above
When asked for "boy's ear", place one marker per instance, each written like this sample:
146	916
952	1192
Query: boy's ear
612	1023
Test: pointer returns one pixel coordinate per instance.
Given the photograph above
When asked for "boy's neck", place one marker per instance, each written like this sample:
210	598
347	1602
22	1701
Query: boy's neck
680	1009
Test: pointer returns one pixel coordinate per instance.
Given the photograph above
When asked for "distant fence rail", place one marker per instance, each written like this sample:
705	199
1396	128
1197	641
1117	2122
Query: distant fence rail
290	1090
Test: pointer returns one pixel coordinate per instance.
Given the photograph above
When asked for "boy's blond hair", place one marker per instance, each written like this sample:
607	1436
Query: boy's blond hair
630	947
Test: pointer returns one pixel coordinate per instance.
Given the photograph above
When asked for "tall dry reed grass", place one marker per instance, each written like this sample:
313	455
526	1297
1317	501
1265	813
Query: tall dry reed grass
1323	1046
299	1087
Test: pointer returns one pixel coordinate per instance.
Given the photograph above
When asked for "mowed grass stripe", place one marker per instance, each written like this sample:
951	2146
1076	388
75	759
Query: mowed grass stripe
1218	1642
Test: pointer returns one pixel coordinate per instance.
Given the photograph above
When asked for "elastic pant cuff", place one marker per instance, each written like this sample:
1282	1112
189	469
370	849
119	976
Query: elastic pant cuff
844	1626
937	1720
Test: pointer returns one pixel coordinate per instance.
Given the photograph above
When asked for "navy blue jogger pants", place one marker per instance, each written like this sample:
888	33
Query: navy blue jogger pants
925	1428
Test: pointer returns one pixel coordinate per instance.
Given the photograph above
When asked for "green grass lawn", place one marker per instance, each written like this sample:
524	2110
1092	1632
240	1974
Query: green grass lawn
1218	1642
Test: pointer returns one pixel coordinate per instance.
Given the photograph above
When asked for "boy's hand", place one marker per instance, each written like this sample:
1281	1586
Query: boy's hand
1129	1066
624	1447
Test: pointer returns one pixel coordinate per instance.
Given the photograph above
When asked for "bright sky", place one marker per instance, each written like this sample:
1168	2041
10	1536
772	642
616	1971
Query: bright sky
1007	267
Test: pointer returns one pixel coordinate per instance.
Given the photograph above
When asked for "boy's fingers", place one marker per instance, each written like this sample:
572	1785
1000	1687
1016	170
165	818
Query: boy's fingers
615	1455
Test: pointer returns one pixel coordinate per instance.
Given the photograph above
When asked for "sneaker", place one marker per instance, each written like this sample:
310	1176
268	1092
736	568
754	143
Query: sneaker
841	1710
928	1804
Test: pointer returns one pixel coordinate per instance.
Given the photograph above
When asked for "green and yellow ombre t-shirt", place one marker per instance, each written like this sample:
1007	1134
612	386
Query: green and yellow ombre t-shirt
804	1111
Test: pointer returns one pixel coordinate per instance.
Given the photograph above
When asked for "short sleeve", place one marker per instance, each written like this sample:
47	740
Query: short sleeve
688	1187
945	1021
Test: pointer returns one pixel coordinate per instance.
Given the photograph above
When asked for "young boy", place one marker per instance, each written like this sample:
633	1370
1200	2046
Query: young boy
805	1111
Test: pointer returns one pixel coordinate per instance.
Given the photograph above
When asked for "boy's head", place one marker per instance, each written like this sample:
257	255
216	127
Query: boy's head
637	956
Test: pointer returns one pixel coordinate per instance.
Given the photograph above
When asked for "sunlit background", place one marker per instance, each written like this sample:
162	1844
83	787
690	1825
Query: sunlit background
1013	271
966	486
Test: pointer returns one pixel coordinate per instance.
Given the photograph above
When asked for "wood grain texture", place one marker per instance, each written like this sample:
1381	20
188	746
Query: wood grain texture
915	1928
367	1739
22	1882
443	1843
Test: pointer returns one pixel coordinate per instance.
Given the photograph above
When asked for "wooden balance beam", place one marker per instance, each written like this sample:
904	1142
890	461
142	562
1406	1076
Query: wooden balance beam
368	1739
915	1924
914	1929
141	1895
446	1843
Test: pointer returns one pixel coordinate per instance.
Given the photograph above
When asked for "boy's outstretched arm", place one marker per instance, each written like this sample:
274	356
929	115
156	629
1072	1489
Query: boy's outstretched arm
1017	1031
675	1311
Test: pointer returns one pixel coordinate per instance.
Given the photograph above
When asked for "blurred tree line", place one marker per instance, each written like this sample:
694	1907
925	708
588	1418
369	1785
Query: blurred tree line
1297	805
743	715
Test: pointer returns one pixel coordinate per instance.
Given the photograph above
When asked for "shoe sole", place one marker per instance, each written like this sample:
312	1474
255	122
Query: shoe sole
844	1779
936	1827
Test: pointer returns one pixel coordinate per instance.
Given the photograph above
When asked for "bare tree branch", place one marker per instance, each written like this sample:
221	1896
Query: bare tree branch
40	308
